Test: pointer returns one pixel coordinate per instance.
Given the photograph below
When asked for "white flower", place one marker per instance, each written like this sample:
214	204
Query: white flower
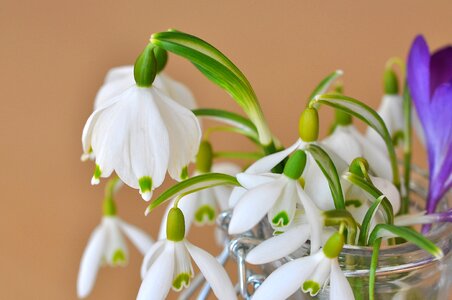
107	245
285	241
140	134
311	273
277	196
168	264
348	143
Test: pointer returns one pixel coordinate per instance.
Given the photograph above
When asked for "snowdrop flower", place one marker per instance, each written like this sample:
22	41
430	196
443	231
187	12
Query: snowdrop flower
277	198
285	241
121	78
142	133
348	143
309	272
168	264
107	245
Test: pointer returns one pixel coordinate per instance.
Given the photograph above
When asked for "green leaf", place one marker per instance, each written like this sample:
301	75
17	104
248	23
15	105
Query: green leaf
367	115
367	221
373	268
385	230
329	170
244	125
220	70
192	185
326	82
372	191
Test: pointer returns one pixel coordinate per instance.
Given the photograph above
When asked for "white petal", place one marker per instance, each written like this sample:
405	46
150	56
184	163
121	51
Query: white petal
279	246
320	276
285	205
287	279
119	73
254	205
176	90
266	163
138	237
222	194
226	168
378	160
184	133
205	207
153	253
236	194
116	252
158	280
91	260
249	181
214	273
314	218
182	266
112	89
389	190
316	185
339	285
343	144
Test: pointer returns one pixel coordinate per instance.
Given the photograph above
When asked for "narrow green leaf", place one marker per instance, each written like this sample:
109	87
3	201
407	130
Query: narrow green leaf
220	70
372	191
373	268
245	126
329	170
385	230
192	185
367	221
326	82
367	115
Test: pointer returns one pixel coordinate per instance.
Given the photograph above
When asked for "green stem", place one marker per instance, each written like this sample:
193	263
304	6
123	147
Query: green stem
238	155
373	268
341	217
407	146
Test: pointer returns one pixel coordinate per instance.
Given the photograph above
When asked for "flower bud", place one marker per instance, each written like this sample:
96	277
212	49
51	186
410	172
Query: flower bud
359	166
109	207
145	67
391	84
308	126
204	157
175	225
295	165
334	245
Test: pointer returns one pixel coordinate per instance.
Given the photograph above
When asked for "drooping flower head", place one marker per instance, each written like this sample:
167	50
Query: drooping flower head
430	82
142	133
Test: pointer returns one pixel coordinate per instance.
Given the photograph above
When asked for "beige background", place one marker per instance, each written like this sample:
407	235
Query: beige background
53	57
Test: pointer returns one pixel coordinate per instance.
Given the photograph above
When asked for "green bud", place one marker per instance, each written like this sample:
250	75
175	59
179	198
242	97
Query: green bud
175	225
334	245
109	207
162	58
295	165
145	67
204	157
342	118
391	83
308	127
360	167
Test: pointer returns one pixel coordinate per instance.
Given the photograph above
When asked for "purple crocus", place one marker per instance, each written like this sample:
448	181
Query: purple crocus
430	83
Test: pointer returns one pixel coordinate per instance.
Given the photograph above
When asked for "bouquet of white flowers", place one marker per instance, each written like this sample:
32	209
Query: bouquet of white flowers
294	208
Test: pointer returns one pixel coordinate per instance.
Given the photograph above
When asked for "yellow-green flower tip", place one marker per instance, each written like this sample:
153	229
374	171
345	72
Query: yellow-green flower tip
359	166
281	219
109	207
204	157
205	214
175	225
311	286
182	281
391	83
308	127
334	245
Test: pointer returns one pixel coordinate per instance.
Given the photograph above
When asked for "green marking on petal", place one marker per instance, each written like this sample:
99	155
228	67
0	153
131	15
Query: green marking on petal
182	281
97	172
184	173
311	286
281	219
277	232
205	214
119	257
302	182
353	202
145	184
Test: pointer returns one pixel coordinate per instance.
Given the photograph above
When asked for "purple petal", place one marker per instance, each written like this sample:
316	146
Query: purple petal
440	68
439	143
445	216
418	77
